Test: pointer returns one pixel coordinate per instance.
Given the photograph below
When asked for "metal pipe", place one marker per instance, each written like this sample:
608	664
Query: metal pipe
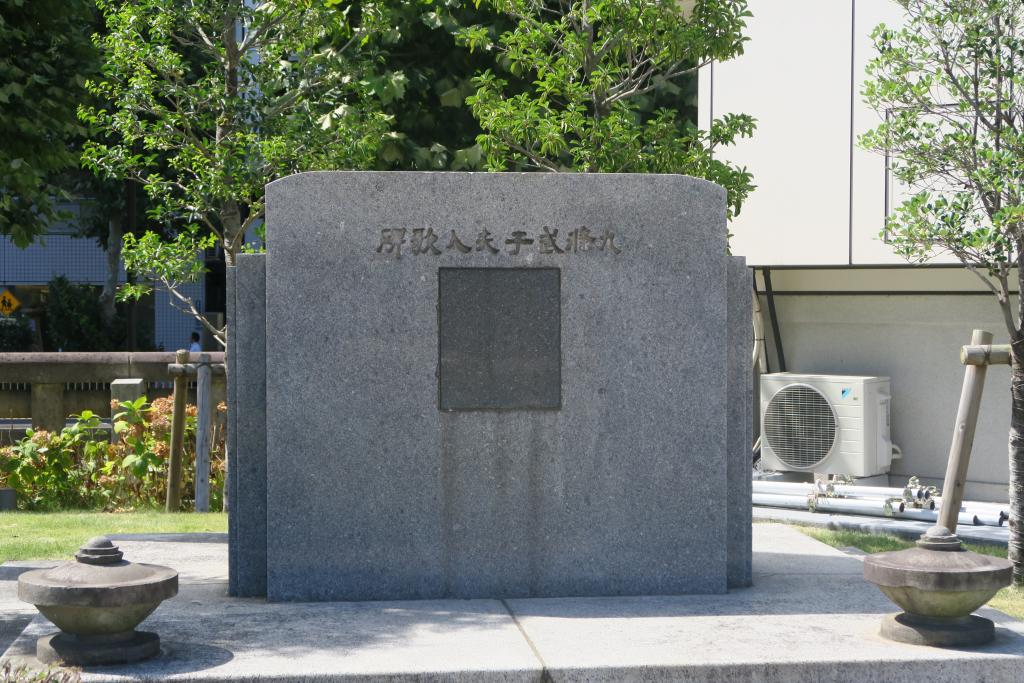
853	506
853	491
779	501
872	507
988	519
766	273
980	505
981	509
868	491
786	488
965	518
856	506
759	358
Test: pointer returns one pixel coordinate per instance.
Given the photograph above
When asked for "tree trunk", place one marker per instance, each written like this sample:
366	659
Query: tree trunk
108	295
1016	543
230	214
131	211
231	223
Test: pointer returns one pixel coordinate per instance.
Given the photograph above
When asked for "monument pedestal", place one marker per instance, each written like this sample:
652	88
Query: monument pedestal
490	385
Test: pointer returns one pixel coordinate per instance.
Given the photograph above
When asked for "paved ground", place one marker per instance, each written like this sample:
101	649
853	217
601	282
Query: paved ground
14	615
809	617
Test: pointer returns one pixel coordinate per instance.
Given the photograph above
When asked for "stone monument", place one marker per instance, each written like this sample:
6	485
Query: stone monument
489	385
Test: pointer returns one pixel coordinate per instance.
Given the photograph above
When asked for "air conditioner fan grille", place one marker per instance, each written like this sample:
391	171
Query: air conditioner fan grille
800	426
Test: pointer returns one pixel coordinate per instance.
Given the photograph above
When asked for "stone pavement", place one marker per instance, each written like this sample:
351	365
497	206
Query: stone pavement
809	617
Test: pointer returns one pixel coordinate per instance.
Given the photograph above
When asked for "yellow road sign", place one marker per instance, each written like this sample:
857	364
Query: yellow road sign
8	303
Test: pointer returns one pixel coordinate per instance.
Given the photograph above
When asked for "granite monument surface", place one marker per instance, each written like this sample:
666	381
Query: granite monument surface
489	385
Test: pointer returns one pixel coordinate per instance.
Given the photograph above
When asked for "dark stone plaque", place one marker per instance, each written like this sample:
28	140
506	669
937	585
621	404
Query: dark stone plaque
499	338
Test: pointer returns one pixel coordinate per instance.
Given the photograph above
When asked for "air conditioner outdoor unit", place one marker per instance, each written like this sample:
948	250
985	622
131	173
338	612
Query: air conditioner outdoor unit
834	424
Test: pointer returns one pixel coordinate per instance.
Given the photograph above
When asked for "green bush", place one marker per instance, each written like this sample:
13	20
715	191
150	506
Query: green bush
80	468
15	334
74	319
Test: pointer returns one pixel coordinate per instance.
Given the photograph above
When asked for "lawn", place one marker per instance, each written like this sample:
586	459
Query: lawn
1008	600
57	535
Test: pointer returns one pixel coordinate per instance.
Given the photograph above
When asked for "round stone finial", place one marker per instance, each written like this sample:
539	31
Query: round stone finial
99	550
939	538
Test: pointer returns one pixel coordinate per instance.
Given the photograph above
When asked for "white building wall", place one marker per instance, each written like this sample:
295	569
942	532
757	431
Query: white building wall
820	199
80	259
173	327
846	304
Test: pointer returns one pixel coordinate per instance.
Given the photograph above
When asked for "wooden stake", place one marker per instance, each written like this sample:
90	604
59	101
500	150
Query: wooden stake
963	437
177	436
203	422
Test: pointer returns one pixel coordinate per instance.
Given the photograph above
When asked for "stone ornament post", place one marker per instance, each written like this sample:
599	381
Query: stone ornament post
939	583
96	602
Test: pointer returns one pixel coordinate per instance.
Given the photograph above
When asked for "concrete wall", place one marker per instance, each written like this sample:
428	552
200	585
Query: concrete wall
910	328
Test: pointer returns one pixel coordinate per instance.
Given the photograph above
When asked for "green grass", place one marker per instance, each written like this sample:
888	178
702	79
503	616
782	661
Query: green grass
57	535
1009	600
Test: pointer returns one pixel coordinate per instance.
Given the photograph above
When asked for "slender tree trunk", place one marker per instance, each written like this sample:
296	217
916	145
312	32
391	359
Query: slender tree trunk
1015	546
230	214
1016	543
231	223
131	209
109	293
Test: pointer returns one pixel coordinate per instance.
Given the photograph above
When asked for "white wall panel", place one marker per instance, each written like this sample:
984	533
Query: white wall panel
795	79
872	197
172	327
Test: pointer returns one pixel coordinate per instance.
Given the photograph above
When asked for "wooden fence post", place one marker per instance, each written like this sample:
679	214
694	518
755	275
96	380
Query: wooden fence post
174	467
204	399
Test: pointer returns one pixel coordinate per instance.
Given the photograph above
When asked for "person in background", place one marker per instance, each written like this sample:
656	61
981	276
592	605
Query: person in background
194	347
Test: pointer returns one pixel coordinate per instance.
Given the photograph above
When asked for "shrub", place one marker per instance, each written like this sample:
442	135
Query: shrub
15	334
80	468
74	319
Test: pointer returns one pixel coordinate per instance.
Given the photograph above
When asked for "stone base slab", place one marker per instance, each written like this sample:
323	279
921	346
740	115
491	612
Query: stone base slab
63	649
971	631
809	616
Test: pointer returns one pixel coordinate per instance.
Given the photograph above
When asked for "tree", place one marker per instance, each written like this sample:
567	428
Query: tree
209	100
47	57
432	128
608	88
951	86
